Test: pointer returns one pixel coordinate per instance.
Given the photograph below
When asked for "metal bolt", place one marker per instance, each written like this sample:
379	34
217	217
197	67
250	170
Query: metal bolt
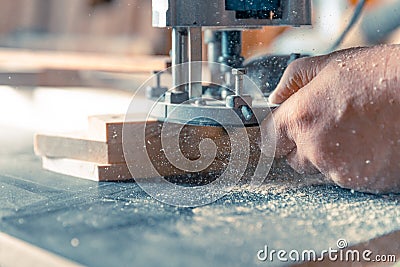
239	73
200	102
158	77
247	113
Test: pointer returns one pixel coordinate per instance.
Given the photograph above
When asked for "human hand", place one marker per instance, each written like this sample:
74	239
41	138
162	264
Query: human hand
340	115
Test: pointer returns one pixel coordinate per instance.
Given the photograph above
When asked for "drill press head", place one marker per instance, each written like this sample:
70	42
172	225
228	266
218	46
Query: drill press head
230	13
222	22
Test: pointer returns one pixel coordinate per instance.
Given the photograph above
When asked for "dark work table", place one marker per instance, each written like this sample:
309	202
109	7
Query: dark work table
117	224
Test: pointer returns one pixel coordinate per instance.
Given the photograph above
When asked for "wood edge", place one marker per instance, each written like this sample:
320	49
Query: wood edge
50	164
72	167
101	127
16	252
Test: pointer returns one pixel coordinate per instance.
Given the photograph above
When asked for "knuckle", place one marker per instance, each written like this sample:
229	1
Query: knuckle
296	65
300	62
304	117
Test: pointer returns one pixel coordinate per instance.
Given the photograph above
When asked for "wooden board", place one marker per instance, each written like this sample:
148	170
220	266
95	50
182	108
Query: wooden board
108	128
103	141
17	60
77	146
111	172
80	146
87	170
101	148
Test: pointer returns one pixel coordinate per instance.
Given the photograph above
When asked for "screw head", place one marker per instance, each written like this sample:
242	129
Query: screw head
239	71
200	102
247	112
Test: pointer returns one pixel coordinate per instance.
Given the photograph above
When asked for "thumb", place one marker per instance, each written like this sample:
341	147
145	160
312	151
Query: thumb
276	135
297	75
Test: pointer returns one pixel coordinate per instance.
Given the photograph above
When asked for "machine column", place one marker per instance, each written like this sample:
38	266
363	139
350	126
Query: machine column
179	55
195	55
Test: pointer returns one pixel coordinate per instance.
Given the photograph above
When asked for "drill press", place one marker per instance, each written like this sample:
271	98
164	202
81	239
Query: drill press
222	22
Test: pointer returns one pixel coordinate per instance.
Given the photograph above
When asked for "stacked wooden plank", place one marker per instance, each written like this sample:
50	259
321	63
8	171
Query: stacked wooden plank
88	155
98	153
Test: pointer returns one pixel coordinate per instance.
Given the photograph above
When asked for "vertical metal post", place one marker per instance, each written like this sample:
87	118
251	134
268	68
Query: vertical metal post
213	41
239	75
179	56
187	48
195	67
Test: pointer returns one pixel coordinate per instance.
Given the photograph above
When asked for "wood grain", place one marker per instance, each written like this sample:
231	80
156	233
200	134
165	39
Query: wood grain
115	172
108	128
99	155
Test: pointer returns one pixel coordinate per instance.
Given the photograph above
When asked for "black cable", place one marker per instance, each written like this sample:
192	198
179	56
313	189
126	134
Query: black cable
354	19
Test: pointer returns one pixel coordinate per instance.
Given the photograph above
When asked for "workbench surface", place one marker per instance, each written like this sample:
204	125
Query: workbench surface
117	224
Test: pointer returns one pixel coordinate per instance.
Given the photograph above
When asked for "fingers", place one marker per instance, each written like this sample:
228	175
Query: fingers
277	130
300	163
303	70
297	75
288	127
276	134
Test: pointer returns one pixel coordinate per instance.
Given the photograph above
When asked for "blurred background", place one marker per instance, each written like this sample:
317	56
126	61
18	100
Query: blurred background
124	27
106	26
114	33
